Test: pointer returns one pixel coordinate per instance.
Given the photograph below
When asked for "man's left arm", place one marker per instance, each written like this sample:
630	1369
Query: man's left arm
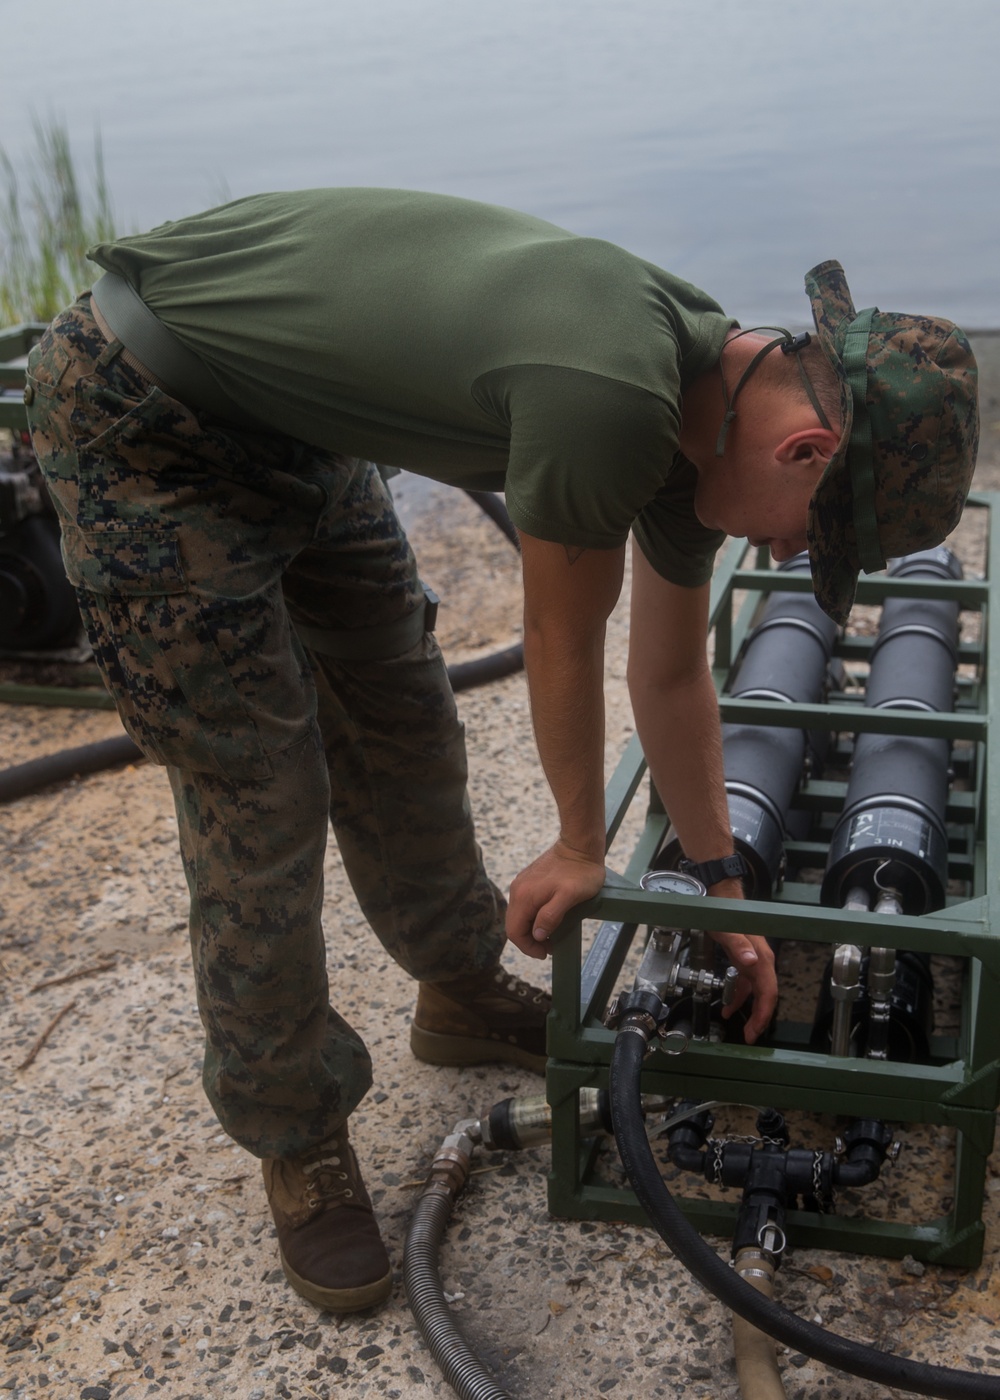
677	716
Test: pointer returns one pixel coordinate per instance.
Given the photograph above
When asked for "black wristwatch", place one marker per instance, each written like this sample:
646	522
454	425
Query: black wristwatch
711	872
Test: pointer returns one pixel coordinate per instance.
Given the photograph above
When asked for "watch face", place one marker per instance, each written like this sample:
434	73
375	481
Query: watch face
671	882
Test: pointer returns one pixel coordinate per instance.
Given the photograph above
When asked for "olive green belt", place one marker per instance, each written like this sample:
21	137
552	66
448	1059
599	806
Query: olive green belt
169	362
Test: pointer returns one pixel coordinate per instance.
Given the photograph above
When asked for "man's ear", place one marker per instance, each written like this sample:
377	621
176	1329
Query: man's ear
808	447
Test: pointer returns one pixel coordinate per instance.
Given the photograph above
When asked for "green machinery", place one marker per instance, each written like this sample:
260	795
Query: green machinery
38	620
957	1085
15	343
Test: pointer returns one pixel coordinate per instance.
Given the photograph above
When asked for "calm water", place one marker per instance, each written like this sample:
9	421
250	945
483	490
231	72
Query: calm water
736	142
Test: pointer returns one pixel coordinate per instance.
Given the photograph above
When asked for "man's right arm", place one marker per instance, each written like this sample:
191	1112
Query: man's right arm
568	596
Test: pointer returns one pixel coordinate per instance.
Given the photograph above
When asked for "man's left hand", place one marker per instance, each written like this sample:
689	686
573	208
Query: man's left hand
755	961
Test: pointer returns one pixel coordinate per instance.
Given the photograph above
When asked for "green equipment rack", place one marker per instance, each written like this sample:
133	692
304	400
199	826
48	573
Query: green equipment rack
15	343
959	1086
87	692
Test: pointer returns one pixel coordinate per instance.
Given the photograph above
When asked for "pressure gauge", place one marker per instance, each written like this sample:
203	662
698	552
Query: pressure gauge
671	882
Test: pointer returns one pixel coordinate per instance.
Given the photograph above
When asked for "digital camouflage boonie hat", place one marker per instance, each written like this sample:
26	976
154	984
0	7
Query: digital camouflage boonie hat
903	467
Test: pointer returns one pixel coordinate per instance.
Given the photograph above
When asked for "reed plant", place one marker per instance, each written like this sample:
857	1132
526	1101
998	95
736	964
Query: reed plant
45	233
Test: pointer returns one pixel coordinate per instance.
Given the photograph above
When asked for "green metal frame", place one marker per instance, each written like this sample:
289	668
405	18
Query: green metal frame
89	692
15	343
958	1088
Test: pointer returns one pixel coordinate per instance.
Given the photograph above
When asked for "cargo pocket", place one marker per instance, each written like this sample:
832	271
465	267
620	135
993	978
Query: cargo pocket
47	363
158	653
117	409
45	408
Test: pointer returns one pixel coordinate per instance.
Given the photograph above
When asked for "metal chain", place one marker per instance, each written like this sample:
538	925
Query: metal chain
716	1144
750	1140
825	1204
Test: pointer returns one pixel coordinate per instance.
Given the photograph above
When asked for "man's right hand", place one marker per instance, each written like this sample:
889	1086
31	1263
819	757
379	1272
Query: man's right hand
543	894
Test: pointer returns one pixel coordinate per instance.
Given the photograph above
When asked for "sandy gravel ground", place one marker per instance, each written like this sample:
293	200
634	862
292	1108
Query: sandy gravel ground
136	1250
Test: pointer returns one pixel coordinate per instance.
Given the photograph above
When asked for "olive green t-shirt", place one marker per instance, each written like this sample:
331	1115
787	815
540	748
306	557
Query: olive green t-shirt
470	343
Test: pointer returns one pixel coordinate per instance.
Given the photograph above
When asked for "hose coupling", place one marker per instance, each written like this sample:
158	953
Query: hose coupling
638	1023
772	1239
640	1012
450	1168
516	1123
751	1263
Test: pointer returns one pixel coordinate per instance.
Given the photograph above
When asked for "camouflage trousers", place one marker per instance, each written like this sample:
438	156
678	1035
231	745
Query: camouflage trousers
195	548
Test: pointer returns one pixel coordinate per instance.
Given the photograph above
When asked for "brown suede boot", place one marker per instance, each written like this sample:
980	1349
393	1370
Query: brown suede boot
328	1238
482	1018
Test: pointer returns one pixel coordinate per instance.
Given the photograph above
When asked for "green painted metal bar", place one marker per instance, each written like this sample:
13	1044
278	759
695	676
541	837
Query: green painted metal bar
725	645
65	697
975	1125
566	967
601	971
855	719
875	588
648	844
622	788
990	759
707	1071
970	653
720	593
12	413
15	342
964	930
825	795
940	1243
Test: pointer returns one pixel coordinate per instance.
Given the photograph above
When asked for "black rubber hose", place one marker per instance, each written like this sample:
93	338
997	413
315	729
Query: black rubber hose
491	504
460	1366
26	778
466	674
715	1274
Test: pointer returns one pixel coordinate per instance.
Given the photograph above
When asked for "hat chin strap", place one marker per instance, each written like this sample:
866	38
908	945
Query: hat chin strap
860	461
790	345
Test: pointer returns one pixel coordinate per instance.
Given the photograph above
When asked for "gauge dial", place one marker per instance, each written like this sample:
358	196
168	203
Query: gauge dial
671	882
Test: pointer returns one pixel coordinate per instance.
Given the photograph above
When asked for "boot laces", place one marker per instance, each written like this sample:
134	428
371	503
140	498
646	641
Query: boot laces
325	1178
524	991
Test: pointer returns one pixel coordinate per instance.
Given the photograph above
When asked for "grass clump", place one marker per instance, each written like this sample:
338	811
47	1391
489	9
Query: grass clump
44	238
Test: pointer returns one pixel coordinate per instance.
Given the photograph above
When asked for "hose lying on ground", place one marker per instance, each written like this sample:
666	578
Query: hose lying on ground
26	778
718	1278
460	1366
466	674
491	504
